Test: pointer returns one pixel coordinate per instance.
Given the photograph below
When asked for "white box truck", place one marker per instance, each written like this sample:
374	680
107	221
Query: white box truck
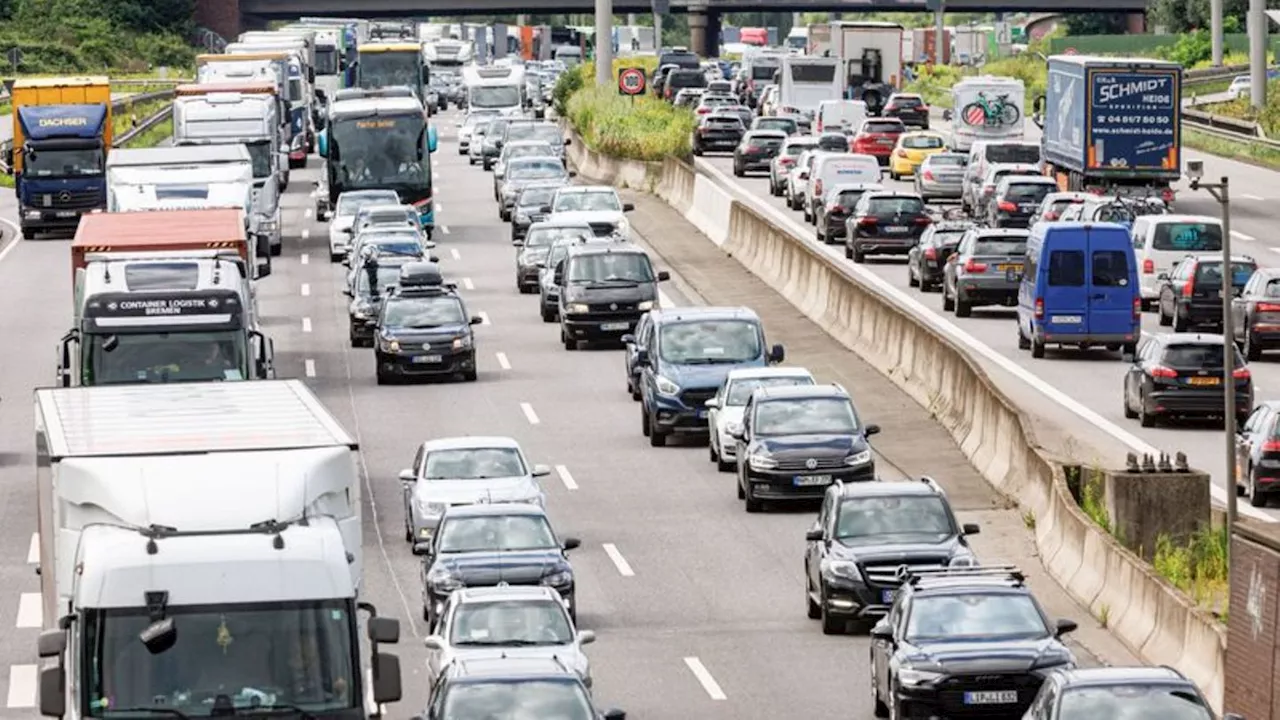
872	57
200	552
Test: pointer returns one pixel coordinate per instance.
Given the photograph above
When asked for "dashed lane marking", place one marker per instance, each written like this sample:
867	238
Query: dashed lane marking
306	289
310	366
306	234
307	213
304	258
30	610
22	685
529	414
1241	236
705	679
484	318
33	550
306	325
455	254
1247	196
624	567
566	477
503	362
467	284
444	229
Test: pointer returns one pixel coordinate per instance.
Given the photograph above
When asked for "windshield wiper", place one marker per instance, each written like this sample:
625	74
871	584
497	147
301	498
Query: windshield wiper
275	708
157	710
423	326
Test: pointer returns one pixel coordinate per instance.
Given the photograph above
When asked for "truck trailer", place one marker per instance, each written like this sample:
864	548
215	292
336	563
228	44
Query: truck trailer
61	136
199	548
1112	125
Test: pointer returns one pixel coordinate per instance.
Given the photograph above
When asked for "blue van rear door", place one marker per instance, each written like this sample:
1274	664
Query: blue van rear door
1111	282
1066	290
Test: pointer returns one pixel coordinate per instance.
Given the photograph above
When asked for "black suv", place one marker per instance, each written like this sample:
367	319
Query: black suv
927	261
1017	199
885	222
796	440
717	132
864	537
1180	375
757	151
1189	298
605	288
1117	692
502	686
423	329
964	642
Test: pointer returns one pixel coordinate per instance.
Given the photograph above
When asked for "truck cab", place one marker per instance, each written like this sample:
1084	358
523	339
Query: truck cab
251	113
62	133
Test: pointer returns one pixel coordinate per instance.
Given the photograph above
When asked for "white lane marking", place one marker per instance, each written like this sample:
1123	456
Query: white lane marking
484	318
529	414
914	307
665	300
307	213
306	324
503	362
624	567
306	289
439	207
17	238
444	229
1247	196
703	675
304	258
33	550
310	366
30	610
1274	249
566	477
467	284
1241	236
22	685
306	234
454	252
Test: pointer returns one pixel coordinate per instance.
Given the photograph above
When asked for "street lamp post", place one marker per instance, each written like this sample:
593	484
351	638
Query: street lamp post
1221	192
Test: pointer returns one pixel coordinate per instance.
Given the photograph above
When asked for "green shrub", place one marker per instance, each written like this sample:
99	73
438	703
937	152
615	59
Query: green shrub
933	83
642	128
568	84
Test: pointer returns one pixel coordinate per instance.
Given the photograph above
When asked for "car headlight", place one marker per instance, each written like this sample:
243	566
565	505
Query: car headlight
841	569
665	386
1055	660
558	579
522	218
360	310
623	227
912	677
443	581
760	460
646	305
856	459
573	308
432	509
391	345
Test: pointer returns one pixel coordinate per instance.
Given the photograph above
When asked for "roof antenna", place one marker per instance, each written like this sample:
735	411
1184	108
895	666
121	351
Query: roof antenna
106	272
217	270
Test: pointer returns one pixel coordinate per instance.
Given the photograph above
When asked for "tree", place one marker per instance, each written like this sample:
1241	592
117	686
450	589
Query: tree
1096	24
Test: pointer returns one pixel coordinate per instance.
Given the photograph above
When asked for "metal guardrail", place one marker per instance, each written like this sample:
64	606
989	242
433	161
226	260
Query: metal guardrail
143	126
1208	75
1226	128
117	106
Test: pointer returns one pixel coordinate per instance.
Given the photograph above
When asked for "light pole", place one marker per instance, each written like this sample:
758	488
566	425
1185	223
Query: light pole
1221	192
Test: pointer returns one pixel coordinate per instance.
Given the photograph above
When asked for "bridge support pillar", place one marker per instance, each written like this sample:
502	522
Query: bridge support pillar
1137	23
220	16
704	31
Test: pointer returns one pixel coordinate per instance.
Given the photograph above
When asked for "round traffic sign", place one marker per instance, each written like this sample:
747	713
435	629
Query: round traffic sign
1070	51
631	81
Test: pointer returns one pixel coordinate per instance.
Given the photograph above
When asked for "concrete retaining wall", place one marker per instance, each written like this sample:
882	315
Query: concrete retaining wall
1149	615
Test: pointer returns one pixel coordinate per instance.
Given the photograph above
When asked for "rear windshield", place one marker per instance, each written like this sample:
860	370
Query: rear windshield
922	142
1061	204
797	149
765	142
687	78
1000	246
833	143
906	101
896	205
947	160
1028	192
763	72
784	124
1210	273
1194	356
947	237
849	198
882	126
1188	237
723	121
684	60
997	153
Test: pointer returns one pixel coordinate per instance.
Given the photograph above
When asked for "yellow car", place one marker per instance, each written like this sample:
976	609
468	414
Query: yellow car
912	149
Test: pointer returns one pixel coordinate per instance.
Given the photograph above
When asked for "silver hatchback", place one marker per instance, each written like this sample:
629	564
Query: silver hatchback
941	176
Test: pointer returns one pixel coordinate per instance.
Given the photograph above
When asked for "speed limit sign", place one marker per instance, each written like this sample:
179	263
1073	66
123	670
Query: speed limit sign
631	81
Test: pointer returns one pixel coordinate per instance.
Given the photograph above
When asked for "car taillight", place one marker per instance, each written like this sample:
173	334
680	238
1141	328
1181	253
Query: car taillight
930	254
1268	307
988	188
1137	308
786	161
1050	215
866	222
819	125
704	110
928	175
1039	308
1148	267
835	208
1006	206
1241	374
974	266
1163	372
1167	195
1188	289
1271	446
923	220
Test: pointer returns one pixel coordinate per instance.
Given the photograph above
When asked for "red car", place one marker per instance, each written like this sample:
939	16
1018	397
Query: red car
878	137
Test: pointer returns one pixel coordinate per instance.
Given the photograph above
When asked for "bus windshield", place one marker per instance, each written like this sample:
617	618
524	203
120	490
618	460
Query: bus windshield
387	69
379	152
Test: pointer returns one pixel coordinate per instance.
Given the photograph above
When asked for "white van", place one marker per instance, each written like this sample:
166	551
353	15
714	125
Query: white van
833	169
986	108
835	114
1160	242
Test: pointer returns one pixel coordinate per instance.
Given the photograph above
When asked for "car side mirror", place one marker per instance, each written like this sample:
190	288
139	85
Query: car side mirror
571	543
814	535
882	632
558	278
433	258
777	354
713	403
663	276
586	637
386	678
872	429
541	471
628	207
615	714
408	476
475	320
433	642
568	142
348	293
573	174
1065	626
544	209
1129	357
971	528
628	339
52	690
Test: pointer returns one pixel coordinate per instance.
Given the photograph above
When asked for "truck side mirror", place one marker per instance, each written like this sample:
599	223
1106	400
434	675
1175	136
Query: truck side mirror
53	691
384	630
52	643
64	364
386	678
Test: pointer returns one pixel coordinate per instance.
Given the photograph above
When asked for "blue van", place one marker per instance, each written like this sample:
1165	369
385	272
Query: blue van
1079	287
685	357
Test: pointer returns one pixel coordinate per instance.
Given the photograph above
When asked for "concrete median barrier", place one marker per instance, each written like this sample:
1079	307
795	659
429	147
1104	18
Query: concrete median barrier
1155	620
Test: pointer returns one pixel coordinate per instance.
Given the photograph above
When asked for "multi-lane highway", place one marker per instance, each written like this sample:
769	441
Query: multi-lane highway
1092	380
698	606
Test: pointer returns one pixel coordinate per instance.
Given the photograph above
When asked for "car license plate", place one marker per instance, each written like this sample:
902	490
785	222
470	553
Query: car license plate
1205	380
886	596
615	326
1013	274
811	480
896	229
884	141
427	359
66	213
991	697
1066	319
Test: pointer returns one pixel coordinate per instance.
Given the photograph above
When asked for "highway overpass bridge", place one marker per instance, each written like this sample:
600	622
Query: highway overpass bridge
228	17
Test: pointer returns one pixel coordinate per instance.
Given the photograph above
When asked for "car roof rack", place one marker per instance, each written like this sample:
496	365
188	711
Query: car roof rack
1007	572
423	278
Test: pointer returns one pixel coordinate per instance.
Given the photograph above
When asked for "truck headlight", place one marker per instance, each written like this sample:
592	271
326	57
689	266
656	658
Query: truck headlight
665	386
574	308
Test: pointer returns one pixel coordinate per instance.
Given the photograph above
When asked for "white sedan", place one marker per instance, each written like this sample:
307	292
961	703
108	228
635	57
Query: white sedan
724	411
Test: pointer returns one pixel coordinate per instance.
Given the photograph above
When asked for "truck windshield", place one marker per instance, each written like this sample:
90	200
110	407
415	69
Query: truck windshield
297	654
387	69
326	61
163	356
64	162
495	96
379	152
260	154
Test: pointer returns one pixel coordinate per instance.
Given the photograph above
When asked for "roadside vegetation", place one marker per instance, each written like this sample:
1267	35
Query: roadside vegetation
640	128
124	120
111	37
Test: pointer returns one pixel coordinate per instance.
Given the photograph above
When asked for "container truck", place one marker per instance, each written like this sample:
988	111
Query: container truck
301	95
61	137
302	40
147	310
261	67
924	46
200	554
1112	125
